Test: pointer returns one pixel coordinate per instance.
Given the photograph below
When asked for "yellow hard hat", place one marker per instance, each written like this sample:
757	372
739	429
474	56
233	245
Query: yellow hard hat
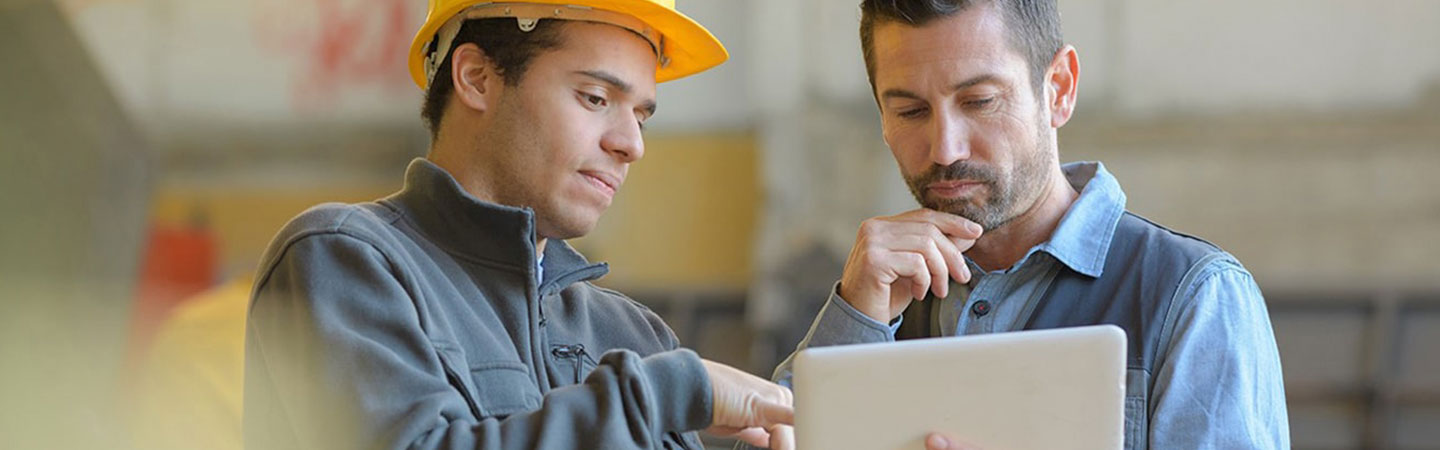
682	46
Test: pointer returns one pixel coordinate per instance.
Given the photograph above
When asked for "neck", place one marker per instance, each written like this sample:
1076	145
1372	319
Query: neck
452	152
1004	246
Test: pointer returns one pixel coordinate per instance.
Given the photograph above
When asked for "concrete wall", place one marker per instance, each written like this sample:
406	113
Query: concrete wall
1144	58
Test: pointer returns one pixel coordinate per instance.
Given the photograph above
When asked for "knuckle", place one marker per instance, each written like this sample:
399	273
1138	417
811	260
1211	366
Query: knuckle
935	248
868	226
869	261
923	276
873	248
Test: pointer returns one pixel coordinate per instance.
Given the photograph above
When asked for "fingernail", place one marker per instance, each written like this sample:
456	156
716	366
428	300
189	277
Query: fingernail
974	227
937	442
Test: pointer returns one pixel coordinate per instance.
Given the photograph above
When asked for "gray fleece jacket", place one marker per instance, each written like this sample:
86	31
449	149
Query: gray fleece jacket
421	321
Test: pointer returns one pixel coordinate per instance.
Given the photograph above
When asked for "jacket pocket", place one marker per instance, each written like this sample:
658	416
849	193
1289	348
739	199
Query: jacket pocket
503	388
497	388
456	373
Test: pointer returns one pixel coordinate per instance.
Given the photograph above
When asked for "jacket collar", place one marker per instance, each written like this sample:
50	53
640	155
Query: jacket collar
440	209
1082	239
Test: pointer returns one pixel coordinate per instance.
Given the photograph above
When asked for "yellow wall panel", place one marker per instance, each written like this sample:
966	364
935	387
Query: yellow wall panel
685	217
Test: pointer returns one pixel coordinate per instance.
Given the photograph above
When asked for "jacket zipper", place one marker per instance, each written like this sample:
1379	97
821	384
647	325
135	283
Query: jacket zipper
566	280
542	335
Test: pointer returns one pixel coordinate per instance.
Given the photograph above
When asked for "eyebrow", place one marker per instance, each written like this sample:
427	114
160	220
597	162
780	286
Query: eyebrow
901	93
617	83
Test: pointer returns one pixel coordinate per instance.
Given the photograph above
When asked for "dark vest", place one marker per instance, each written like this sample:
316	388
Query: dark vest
1137	291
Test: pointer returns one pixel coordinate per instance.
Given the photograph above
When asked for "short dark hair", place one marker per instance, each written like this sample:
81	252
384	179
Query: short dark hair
502	40
1032	27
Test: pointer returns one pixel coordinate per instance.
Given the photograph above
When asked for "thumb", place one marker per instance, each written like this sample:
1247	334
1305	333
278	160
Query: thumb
756	437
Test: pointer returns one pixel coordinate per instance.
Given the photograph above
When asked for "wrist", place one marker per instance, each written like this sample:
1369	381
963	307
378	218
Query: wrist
864	303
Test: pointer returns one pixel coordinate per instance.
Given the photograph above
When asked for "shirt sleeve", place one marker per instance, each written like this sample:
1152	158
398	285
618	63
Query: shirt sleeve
837	324
1220	385
336	357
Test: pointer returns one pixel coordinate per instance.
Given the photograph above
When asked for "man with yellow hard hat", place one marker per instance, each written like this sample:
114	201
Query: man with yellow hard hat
452	313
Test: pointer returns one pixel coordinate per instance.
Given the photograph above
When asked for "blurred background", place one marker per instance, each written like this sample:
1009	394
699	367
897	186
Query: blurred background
149	149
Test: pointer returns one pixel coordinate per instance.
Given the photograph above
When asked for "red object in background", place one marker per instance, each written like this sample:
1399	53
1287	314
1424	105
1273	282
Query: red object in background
180	262
338	43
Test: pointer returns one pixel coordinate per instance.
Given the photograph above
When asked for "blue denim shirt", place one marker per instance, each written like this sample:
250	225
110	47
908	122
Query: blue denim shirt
1221	385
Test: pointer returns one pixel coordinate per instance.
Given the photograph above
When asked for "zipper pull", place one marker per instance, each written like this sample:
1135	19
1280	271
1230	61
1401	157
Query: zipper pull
579	350
573	352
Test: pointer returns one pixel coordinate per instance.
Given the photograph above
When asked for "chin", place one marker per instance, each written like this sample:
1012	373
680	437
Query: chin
568	219
572	227
958	206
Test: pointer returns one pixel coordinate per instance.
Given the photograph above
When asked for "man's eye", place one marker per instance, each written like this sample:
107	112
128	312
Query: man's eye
980	103
595	100
911	113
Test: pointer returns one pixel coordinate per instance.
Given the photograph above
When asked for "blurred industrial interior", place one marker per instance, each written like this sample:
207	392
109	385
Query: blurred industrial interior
149	149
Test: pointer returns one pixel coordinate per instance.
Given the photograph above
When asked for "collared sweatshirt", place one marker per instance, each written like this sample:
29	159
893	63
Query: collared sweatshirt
423	320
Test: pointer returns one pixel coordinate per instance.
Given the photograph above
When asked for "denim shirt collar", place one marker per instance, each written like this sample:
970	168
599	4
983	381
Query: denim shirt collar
1083	237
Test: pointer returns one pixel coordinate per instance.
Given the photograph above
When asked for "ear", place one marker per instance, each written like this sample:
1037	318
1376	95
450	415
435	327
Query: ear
1062	81
475	79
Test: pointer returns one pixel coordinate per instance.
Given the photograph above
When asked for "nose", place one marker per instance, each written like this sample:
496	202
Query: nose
624	140
949	139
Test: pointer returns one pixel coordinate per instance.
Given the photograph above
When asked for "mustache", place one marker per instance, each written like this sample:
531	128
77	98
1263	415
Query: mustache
960	170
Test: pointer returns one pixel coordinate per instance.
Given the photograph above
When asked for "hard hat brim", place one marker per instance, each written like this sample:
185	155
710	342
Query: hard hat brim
689	47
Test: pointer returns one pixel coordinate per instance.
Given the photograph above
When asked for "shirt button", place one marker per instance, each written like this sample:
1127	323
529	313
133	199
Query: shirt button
980	308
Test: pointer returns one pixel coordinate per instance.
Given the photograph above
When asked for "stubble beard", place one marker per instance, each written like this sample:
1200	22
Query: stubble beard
1006	197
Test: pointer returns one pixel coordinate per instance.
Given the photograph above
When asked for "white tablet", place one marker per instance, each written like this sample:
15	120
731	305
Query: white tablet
1047	389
